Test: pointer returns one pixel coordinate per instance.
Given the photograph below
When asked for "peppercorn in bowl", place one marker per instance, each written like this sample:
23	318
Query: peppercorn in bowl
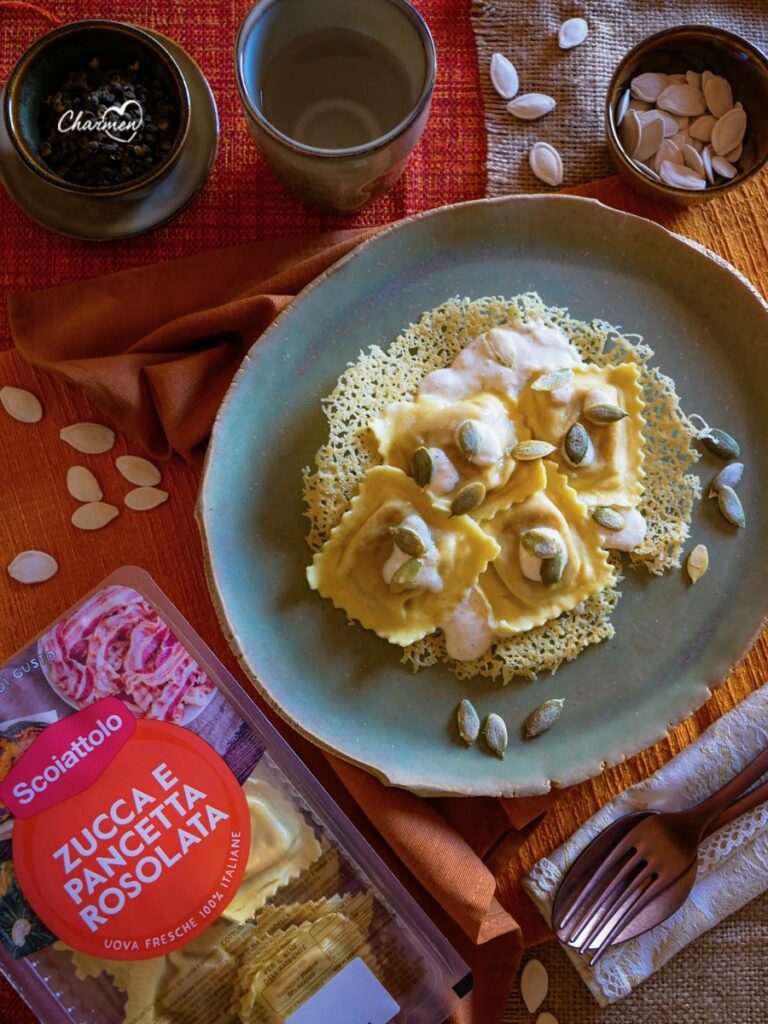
97	108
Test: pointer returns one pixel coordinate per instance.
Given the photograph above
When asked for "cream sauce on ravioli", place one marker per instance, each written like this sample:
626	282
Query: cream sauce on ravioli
502	359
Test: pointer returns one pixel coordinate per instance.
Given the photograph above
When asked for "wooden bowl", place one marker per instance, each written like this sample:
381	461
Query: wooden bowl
695	48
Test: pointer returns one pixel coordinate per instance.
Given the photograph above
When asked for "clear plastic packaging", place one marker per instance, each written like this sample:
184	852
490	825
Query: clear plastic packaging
165	858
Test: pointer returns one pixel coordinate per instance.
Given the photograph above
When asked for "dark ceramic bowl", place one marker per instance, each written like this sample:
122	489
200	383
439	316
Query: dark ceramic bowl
695	48
42	69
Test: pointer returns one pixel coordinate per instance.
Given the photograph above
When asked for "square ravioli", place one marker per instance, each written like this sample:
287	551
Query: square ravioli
380	585
470	440
611	473
519	602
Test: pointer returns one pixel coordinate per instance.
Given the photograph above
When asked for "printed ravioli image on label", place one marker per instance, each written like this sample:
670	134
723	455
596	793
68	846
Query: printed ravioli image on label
129	840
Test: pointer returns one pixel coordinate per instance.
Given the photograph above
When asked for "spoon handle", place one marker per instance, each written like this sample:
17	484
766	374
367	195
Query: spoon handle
705	812
754	798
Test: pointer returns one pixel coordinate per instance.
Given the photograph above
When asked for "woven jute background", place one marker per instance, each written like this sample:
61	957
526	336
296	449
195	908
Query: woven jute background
719	979
578	78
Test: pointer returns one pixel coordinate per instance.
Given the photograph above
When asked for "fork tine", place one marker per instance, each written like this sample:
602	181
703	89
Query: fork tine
619	895
602	875
640	900
598	894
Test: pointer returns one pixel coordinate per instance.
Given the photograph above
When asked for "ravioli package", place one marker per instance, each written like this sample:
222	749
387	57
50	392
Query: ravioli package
165	858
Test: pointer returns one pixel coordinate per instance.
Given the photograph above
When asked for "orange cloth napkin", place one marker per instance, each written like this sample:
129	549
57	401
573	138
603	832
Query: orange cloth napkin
154	348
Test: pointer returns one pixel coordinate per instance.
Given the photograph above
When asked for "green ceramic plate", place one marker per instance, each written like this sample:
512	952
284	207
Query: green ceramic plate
344	687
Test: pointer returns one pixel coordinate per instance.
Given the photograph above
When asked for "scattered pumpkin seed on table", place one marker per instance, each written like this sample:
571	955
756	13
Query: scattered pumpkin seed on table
504	77
468	722
142	499
138	471
531	107
33	567
21	405
534	984
546	163
94	515
89	438
83	485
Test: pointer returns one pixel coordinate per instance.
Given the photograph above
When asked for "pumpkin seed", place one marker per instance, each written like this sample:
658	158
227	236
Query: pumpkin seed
142	499
21	405
138	471
543	717
729	131
532	106
469	439
694	78
648	86
729	476
504	76
495	733
422	466
730	506
552	381
724	167
697	562
546	1018
651	137
623	106
468	722
693	160
683	100
33	567
546	163
91	438
706	159
83	485
469	497
500	347
718	94
720	442
534	984
679	176
701	128
408	573
540	544
552	569
603	413
608	518
572	33
408	540
525	451
576	443
93	516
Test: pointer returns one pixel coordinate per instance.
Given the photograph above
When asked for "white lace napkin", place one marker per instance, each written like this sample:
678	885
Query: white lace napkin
733	863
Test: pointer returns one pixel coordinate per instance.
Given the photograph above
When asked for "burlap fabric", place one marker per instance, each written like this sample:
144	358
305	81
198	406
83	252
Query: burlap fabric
719	979
527	34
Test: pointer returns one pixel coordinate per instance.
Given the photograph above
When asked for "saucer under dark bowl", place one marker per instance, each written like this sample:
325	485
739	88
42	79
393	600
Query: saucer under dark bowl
43	68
